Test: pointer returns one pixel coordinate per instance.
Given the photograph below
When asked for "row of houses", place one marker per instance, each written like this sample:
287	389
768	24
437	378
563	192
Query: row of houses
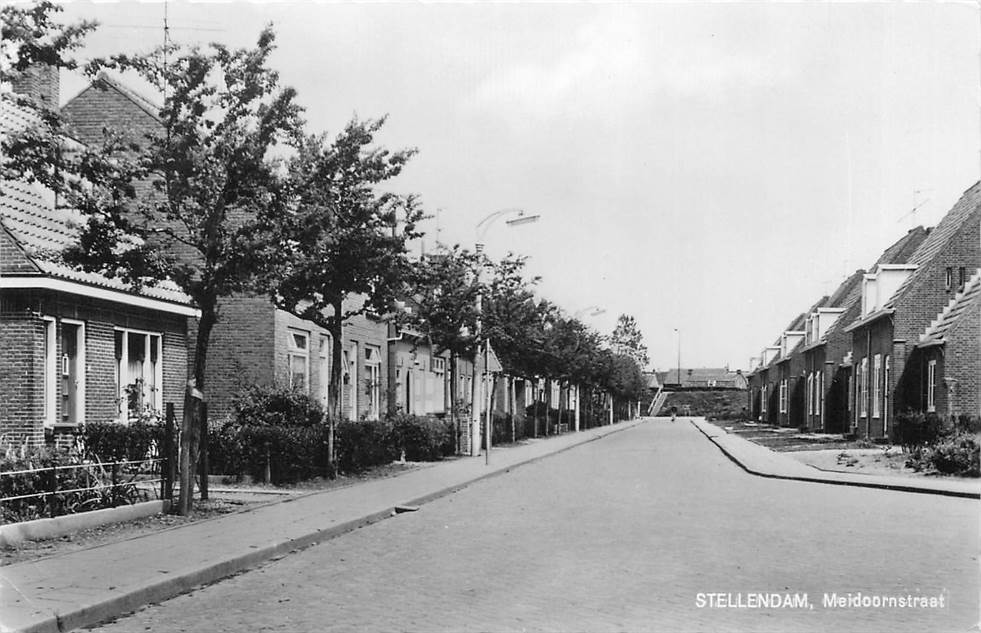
903	335
77	347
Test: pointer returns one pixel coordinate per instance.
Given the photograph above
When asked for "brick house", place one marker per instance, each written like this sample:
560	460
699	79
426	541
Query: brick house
827	350
76	347
899	302
944	369
762	385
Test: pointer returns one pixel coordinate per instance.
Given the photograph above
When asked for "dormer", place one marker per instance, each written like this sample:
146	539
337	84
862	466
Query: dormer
789	340
879	287
819	322
768	354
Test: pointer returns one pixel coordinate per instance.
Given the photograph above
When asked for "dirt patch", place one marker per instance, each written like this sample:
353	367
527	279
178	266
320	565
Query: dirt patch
890	461
781	439
239	496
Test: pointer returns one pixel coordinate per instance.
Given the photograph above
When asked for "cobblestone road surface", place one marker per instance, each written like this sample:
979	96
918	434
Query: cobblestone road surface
621	534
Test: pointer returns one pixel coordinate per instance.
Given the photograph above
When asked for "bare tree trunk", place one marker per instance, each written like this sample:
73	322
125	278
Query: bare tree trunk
191	421
453	412
534	402
548	404
334	392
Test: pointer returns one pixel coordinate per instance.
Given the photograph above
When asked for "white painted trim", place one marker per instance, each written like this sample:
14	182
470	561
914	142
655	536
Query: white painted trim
50	371
83	366
96	292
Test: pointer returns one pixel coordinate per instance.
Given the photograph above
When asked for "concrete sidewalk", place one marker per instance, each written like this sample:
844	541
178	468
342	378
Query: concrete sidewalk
81	588
761	461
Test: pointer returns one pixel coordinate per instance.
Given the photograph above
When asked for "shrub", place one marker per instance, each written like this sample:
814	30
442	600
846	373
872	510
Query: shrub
423	439
914	429
286	454
362	444
956	454
114	442
276	406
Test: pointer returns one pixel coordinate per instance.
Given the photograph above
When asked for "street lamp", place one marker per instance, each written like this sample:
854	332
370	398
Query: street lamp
519	218
590	311
679	355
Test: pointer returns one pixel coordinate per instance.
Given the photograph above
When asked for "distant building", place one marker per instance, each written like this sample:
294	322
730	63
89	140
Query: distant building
701	378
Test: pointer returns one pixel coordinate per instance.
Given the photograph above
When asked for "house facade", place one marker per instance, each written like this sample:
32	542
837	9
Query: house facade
76	347
899	302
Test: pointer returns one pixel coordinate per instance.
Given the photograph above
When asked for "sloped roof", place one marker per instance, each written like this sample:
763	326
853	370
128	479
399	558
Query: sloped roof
104	81
899	252
938	237
29	215
937	330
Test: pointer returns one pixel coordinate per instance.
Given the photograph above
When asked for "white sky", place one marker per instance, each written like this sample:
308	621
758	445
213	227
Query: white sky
710	167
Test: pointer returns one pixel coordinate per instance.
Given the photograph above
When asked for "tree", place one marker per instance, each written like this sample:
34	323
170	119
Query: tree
31	41
345	240
445	288
628	341
215	191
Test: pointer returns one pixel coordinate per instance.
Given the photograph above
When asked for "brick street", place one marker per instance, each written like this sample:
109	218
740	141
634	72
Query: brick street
619	534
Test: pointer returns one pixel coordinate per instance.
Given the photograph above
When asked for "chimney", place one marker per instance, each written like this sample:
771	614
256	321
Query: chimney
39	81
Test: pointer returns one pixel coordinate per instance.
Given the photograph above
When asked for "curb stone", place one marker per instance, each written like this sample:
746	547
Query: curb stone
899	487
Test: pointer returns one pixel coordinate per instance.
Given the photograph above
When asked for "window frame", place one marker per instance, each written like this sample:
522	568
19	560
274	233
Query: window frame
932	386
876	386
122	365
294	351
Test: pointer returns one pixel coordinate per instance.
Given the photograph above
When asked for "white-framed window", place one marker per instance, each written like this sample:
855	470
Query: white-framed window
783	396
50	371
820	397
372	365
763	399
863	388
931	386
438	365
326	355
885	397
139	372
810	393
876	386
298	360
354	379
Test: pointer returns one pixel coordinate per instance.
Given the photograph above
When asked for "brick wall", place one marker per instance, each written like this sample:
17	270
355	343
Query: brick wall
22	372
41	82
23	341
962	362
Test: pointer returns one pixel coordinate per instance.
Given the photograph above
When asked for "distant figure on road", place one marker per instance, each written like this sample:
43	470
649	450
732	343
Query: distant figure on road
674	412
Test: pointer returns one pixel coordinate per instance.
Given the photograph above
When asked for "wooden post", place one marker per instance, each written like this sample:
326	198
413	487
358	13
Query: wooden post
203	465
168	464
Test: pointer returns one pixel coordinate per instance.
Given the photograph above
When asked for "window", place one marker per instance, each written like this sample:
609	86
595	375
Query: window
326	352
885	398
876	386
783	396
438	365
810	394
763	399
50	372
298	360
820	397
372	364
931	386
139	373
961	277
949	278
863	388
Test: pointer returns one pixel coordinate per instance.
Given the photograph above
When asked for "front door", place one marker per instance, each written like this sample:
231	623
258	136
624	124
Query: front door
70	374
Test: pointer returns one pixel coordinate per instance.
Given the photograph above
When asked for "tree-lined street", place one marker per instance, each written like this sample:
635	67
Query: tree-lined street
623	533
